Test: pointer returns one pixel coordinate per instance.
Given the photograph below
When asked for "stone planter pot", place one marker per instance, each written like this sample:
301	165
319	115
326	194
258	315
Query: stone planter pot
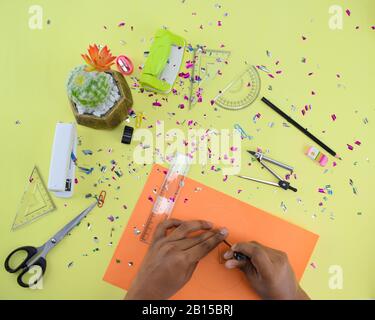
116	114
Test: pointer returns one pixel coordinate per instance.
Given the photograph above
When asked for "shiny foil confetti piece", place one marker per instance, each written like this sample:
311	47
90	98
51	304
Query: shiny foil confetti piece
355	191
283	206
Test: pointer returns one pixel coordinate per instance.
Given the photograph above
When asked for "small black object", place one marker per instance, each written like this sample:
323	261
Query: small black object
127	135
286	185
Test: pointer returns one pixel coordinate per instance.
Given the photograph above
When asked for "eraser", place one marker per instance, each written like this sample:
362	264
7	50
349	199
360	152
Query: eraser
314	154
323	160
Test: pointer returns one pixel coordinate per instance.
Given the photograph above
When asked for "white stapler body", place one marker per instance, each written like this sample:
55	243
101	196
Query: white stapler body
62	166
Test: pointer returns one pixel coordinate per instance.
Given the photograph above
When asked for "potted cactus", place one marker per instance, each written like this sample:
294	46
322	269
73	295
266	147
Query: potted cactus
99	97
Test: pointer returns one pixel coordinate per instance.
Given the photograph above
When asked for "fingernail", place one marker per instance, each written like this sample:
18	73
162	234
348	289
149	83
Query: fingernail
209	224
223	231
231	264
227	254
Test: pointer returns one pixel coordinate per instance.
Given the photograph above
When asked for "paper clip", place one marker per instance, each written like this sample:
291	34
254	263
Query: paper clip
244	135
101	198
138	119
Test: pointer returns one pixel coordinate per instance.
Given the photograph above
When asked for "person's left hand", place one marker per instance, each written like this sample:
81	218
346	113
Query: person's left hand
172	259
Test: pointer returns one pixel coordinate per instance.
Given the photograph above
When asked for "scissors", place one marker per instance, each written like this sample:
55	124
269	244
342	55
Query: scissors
36	257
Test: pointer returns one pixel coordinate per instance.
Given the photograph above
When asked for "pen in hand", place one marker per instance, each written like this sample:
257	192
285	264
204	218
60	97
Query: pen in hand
236	255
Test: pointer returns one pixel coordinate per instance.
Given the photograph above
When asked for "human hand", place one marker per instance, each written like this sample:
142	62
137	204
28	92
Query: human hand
268	271
173	257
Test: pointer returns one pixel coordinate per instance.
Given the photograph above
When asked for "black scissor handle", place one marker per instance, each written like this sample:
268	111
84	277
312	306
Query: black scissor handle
42	263
31	251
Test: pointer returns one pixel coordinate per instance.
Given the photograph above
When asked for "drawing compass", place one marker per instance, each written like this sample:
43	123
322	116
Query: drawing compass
281	182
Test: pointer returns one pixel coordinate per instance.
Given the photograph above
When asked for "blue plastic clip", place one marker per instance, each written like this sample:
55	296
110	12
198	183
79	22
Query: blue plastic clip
244	135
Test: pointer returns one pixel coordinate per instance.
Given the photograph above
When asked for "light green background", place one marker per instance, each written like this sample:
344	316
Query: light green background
34	65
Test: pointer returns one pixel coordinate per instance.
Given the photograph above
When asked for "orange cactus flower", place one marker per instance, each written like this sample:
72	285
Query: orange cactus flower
99	60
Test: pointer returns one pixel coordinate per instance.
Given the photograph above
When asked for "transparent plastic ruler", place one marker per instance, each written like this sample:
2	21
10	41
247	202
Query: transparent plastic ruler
240	92
167	197
208	64
35	201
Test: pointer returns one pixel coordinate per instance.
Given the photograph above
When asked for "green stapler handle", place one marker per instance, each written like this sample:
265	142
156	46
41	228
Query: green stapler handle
158	58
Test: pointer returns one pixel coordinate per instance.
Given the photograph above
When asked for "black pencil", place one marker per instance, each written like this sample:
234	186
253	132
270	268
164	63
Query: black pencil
299	127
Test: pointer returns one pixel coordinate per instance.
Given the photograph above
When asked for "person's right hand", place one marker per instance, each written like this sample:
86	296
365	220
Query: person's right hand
268	271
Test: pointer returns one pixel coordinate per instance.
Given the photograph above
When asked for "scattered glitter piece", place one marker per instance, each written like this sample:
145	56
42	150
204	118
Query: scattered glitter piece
283	206
86	170
87	152
263	68
355	191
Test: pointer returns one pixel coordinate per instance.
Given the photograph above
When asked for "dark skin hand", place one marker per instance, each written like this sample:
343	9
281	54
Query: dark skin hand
173	257
268	271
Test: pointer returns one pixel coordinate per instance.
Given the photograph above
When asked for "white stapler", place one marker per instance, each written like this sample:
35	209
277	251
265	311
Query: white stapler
62	167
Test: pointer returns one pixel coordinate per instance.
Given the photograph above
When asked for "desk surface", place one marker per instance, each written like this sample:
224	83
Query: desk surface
35	65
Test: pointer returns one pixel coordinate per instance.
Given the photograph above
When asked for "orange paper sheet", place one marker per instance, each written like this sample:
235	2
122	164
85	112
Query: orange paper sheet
211	280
